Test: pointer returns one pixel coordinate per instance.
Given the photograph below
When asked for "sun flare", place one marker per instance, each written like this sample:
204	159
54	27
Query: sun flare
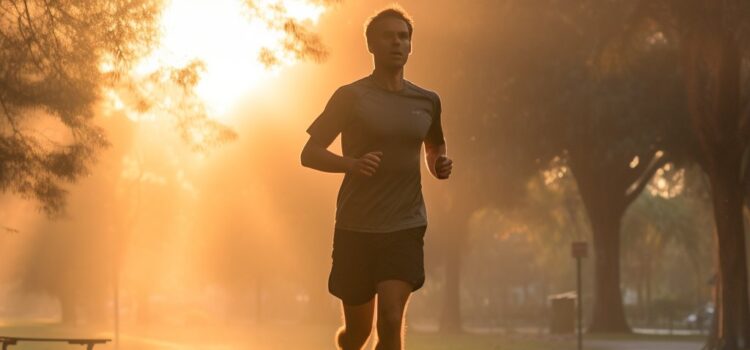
227	36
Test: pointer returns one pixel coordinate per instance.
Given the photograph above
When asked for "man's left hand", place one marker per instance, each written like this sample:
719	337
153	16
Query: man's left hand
443	167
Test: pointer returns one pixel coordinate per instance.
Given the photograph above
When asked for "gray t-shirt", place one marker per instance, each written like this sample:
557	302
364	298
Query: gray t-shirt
370	118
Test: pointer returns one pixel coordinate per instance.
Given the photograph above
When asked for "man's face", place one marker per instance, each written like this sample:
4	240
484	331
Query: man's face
390	43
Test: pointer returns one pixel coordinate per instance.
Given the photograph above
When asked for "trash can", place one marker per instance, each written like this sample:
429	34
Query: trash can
562	313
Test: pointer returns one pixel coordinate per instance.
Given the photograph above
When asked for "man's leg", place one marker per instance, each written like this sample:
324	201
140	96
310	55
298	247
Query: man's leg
392	298
357	326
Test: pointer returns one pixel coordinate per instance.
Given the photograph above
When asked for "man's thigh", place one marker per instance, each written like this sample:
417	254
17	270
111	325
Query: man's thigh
352	272
359	317
400	256
392	298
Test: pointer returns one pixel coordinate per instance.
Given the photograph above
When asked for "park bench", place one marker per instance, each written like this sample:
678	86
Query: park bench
88	342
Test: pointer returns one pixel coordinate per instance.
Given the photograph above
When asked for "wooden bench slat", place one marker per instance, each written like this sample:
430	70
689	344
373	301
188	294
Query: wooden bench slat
88	342
100	340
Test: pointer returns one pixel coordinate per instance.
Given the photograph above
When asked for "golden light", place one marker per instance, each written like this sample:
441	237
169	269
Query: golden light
667	183
227	36
634	163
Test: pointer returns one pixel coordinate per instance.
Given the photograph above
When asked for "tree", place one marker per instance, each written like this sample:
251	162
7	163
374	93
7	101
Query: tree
50	54
59	60
534	96
489	172
664	236
60	63
613	130
711	39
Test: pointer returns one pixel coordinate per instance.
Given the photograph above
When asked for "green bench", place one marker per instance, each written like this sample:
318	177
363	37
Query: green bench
89	343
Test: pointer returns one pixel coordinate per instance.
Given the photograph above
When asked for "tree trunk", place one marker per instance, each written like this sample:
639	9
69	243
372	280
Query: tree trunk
608	313
259	298
604	198
453	227
450	319
68	308
732	319
649	303
607	187
712	65
641	302
96	310
143	308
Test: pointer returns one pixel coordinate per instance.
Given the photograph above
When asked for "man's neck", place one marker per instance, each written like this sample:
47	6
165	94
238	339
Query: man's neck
389	79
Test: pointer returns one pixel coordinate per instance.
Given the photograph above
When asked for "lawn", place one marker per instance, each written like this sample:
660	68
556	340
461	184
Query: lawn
308	337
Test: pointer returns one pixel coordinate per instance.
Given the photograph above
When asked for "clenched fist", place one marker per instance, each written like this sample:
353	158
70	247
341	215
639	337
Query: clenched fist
366	165
443	167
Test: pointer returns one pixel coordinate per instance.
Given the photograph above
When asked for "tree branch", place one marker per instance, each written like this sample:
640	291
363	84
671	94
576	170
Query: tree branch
657	161
56	61
29	37
9	117
53	22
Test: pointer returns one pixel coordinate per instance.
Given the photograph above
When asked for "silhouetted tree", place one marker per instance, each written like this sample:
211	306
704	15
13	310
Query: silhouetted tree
58	59
50	54
613	130
534	96
711	38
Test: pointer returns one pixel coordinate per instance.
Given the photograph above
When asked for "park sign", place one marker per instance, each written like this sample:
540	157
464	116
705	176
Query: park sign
579	249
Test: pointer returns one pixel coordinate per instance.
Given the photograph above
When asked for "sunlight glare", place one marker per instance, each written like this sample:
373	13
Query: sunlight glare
302	10
227	38
667	183
634	163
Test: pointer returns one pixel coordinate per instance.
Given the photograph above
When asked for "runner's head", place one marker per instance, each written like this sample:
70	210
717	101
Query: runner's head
388	36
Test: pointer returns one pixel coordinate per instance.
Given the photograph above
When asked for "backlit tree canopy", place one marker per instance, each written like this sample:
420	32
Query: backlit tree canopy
59	60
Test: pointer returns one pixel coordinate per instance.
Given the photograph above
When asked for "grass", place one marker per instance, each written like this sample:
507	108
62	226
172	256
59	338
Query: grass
304	337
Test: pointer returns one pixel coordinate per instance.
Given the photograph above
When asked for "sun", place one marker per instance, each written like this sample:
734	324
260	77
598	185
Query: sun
227	36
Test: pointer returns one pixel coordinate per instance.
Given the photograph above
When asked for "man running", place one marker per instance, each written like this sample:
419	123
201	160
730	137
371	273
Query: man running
380	217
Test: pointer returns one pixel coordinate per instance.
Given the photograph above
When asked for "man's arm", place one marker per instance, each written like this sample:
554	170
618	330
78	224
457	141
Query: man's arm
438	163
316	155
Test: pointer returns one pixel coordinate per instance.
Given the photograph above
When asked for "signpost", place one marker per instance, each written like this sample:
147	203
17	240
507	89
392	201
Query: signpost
579	250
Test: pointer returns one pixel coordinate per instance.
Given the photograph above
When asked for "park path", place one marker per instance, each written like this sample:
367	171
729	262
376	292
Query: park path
642	345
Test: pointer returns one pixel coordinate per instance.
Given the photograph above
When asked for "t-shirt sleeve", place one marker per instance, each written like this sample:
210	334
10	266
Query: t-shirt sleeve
331	122
435	133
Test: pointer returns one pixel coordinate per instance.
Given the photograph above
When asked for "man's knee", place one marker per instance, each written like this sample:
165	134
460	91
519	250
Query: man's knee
352	338
359	335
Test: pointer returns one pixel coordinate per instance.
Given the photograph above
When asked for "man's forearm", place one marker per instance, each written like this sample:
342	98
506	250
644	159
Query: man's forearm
431	155
320	158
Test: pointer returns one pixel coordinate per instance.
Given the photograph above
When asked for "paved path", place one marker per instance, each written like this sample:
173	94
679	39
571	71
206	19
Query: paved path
642	345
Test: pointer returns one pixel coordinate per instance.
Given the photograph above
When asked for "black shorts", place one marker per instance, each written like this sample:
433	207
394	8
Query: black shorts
362	259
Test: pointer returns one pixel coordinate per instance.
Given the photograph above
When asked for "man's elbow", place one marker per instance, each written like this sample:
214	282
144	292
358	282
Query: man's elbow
307	157
304	157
